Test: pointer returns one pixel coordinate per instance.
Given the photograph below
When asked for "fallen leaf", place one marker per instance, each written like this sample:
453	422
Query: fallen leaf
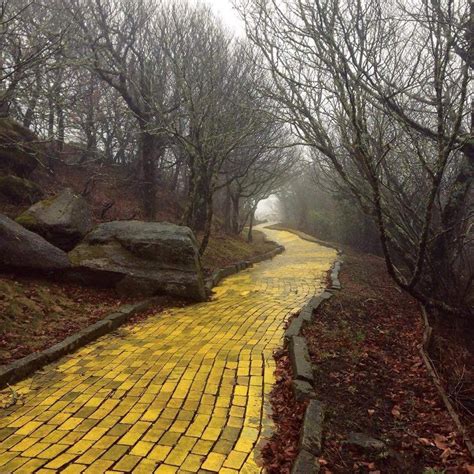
441	442
446	453
425	442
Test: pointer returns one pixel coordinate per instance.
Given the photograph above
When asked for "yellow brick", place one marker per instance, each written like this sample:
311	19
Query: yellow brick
166	469
142	448
192	463
28	428
99	466
33	465
170	438
127	463
95	434
80	447
159	453
34	450
24	444
235	460
114	453
60	461
74	469
213	462
14	464
145	466
90	456
53	451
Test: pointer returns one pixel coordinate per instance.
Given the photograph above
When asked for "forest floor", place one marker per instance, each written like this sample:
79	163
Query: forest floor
36	313
365	347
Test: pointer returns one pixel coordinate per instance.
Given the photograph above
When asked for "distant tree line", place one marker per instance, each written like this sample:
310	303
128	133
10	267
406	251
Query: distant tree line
160	87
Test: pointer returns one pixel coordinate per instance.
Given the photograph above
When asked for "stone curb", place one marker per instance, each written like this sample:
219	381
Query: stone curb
310	440
219	275
311	436
25	366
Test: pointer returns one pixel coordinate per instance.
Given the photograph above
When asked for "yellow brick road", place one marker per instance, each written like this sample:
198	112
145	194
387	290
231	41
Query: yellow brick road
185	391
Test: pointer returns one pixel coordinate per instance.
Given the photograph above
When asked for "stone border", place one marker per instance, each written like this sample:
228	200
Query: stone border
219	275
311	434
22	368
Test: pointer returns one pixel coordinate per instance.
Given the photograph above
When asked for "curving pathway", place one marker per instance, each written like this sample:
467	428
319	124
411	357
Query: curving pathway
184	391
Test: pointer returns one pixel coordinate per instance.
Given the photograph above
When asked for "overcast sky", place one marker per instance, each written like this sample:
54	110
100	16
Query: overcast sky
230	17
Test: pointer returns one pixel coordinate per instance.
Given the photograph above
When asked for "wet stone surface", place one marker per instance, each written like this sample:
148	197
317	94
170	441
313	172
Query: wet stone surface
184	391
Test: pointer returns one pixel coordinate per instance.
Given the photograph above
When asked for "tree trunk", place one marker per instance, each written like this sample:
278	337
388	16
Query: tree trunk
227	211
252	216
235	214
208	226
29	114
197	213
61	127
148	171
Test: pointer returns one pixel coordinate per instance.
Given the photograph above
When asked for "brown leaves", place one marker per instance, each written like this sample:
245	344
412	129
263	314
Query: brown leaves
396	411
282	448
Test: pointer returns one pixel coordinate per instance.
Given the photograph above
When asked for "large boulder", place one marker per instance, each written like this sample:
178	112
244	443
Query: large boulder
18	149
141	258
17	190
21	249
62	220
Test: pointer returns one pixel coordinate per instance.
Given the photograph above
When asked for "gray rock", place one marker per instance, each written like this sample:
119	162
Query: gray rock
21	249
305	463
17	190
141	258
366	442
62	220
300	360
312	430
294	327
303	390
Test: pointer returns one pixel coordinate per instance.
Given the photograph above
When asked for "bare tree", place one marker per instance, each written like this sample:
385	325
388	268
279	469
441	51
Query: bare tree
25	43
379	91
124	45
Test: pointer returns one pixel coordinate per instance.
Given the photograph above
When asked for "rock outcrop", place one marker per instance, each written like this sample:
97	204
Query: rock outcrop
17	190
62	220
141	258
18	154
21	249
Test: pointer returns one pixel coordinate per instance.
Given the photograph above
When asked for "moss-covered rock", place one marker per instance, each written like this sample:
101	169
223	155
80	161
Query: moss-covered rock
62	220
23	250
17	190
141	258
